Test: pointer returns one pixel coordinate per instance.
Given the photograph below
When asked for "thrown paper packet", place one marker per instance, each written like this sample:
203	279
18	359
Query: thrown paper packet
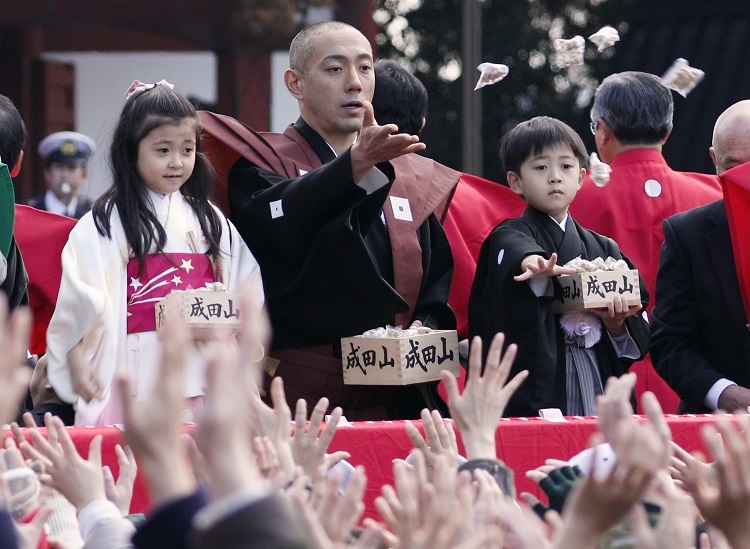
492	73
598	170
568	52
681	77
605	38
589	266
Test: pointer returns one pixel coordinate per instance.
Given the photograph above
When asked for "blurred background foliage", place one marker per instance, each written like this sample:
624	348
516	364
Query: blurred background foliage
425	36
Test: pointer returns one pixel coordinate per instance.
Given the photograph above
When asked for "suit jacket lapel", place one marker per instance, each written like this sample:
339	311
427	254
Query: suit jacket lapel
719	246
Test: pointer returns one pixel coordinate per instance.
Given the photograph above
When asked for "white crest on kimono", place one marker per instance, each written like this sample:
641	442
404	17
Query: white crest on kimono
500	256
276	209
401	208
568	52
492	73
681	77
605	38
652	188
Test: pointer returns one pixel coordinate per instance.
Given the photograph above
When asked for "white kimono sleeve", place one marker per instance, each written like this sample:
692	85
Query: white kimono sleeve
92	280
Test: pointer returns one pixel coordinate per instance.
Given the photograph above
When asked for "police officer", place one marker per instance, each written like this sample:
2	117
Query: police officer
66	156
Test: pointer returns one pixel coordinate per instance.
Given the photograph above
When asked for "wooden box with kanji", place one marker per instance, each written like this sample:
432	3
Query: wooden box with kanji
204	312
399	360
595	289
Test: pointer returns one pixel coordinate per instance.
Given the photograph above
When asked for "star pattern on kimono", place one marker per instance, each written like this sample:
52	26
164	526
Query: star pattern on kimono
176	280
135	283
187	264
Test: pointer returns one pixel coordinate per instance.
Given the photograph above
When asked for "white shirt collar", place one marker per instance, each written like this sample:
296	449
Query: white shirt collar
562	224
54	205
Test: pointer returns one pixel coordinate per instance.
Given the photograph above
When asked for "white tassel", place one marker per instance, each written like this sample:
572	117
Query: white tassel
581	328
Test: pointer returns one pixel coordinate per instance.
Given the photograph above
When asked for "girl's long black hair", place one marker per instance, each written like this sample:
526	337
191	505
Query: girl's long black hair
143	112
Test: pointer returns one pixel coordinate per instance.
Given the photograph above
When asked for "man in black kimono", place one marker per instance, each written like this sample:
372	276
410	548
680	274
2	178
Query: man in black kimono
344	246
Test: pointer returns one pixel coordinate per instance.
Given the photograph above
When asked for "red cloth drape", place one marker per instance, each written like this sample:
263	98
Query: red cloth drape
41	237
736	186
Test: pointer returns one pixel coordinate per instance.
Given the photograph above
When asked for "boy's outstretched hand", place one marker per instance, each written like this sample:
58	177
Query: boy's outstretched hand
536	265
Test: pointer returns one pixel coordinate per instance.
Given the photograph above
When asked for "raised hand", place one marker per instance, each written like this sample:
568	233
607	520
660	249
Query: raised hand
614	405
377	144
439	440
274	423
222	435
628	438
310	444
725	503
153	426
339	512
676	526
477	411
23	487
682	465
80	480
120	491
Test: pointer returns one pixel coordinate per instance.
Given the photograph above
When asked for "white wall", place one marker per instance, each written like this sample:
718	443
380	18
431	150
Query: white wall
101	81
102	78
284	108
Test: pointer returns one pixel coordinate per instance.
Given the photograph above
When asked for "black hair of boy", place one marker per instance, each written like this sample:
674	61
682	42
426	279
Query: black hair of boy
399	98
531	137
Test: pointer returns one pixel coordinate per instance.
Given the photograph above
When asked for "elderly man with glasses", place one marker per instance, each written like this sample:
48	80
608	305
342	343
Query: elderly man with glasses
631	119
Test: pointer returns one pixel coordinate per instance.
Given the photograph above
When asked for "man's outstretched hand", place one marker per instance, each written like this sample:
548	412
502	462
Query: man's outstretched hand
377	144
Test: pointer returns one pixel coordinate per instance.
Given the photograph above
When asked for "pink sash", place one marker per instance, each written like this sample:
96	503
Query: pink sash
161	274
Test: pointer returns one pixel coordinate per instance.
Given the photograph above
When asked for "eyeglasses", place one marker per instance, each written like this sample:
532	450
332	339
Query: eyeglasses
594	124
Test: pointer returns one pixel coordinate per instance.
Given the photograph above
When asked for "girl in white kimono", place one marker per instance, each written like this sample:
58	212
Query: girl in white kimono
152	232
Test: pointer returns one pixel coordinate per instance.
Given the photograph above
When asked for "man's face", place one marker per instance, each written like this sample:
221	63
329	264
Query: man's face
65	180
338	78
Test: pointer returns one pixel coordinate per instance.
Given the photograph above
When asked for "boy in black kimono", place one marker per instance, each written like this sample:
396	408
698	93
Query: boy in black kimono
515	284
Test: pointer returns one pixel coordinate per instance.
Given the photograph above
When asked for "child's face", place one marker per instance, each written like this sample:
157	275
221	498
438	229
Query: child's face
550	180
166	156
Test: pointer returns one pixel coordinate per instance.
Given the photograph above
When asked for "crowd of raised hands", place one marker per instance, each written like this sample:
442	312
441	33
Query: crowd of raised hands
243	478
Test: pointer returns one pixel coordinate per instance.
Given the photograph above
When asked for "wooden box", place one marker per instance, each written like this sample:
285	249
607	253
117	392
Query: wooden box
399	360
203	311
595	289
